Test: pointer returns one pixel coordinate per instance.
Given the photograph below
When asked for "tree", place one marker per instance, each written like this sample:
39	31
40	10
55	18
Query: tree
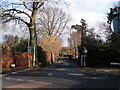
33	8
51	44
75	42
105	29
53	21
20	46
78	34
114	41
27	14
113	12
77	37
9	40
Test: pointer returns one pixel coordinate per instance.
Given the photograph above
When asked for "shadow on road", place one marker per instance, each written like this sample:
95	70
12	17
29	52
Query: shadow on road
66	73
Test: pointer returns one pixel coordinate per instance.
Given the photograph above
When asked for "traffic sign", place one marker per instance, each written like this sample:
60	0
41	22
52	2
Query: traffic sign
29	49
85	50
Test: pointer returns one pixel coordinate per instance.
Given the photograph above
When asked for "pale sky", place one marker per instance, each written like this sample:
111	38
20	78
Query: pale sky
92	11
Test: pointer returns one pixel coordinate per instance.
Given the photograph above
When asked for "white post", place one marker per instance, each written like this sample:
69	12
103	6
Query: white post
34	57
81	60
84	60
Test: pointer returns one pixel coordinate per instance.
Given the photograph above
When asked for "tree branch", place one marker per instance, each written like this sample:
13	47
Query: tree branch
18	11
14	17
26	6
41	4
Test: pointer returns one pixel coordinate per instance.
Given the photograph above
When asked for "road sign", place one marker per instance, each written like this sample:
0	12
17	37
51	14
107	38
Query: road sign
116	23
29	49
85	50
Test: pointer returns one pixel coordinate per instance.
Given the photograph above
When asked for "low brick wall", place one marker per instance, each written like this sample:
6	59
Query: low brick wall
7	58
19	59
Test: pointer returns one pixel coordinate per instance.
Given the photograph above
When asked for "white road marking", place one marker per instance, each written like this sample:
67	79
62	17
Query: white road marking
75	74
83	70
94	78
7	77
30	80
50	74
99	77
22	80
3	75
14	72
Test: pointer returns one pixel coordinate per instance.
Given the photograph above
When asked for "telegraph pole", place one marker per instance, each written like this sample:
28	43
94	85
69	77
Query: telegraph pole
82	31
82	42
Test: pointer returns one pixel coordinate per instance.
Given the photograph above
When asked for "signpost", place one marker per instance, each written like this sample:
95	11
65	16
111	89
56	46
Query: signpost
83	57
28	51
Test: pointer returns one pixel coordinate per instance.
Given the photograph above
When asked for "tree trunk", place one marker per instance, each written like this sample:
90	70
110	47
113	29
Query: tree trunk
33	35
52	58
33	43
75	53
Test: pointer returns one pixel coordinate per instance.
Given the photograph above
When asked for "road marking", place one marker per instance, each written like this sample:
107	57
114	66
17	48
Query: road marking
94	77
30	80
7	77
75	74
83	70
20	79
3	75
14	72
20	71
99	77
50	74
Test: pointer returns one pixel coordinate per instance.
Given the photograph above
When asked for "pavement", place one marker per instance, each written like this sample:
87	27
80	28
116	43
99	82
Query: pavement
64	74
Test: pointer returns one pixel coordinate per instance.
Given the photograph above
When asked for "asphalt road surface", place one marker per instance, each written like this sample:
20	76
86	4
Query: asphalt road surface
64	74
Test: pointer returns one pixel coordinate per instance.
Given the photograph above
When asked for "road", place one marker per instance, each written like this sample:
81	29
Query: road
65	74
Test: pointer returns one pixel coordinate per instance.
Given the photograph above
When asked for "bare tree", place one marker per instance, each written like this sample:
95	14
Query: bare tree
18	14
27	13
8	40
105	29
74	41
53	21
51	44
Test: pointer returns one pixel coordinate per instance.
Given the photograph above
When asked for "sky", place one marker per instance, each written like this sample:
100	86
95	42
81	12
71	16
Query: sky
93	11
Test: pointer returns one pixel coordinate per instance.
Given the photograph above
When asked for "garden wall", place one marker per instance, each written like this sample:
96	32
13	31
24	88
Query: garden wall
19	59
